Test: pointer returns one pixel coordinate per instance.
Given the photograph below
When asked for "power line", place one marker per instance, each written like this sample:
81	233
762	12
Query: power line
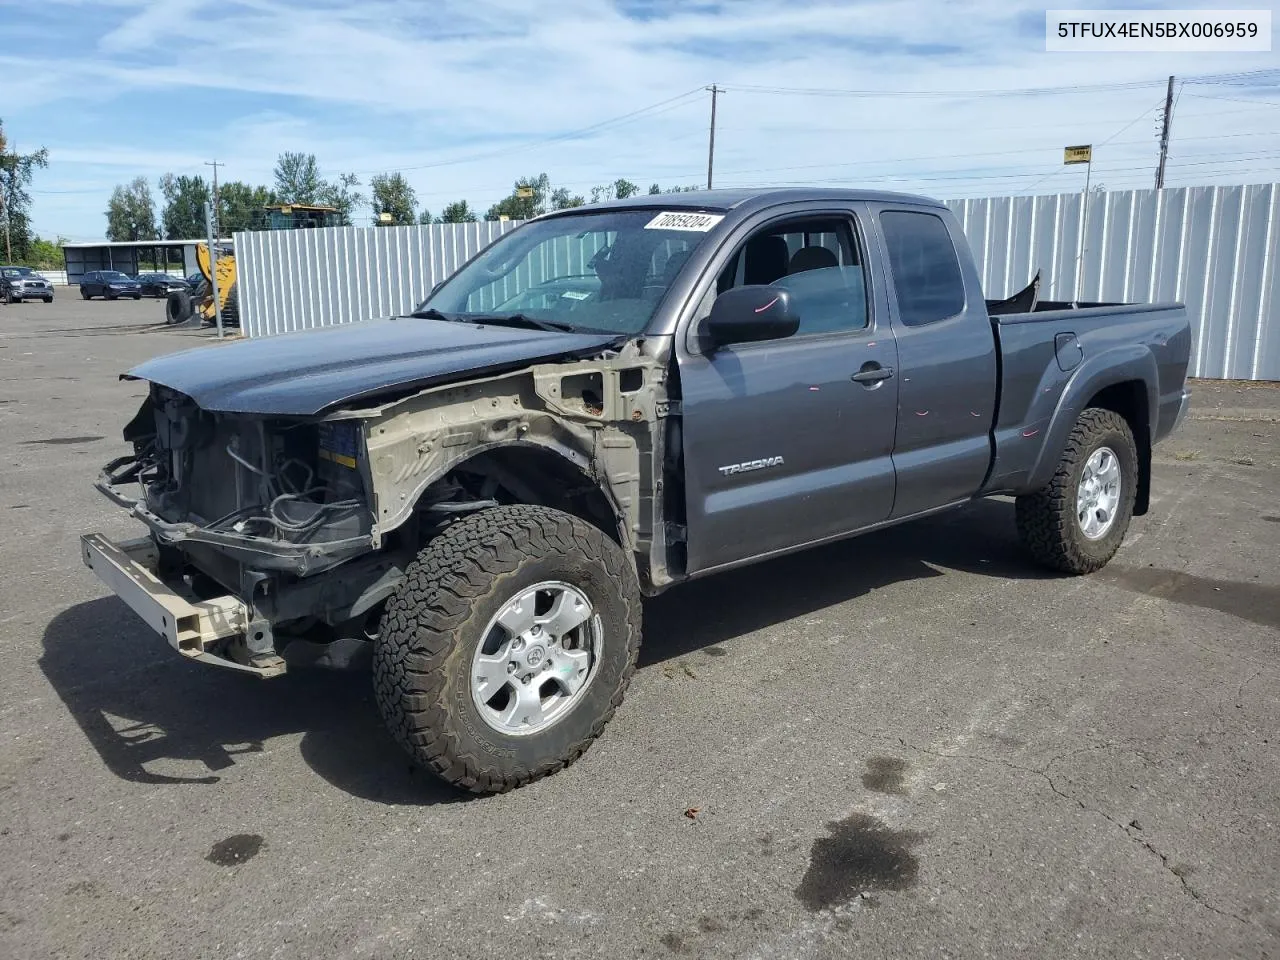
652	109
1256	103
1136	119
1006	91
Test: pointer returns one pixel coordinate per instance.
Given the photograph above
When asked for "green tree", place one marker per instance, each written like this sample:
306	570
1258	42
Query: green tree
392	194
619	189
458	212
240	206
16	171
184	200
655	189
561	199
44	254
425	218
131	213
298	178
341	194
528	199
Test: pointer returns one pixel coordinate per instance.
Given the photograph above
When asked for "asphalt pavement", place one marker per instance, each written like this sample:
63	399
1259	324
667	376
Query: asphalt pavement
912	744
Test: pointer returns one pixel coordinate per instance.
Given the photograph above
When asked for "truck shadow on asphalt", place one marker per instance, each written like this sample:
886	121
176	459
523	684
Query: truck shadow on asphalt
155	718
980	538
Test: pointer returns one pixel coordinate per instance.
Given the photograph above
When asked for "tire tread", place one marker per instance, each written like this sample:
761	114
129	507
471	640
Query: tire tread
1046	519
419	633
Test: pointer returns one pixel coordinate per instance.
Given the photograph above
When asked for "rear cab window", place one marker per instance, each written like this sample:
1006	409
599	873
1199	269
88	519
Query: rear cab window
924	265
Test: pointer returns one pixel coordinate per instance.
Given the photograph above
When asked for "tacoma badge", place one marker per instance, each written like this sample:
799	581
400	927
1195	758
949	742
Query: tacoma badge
751	465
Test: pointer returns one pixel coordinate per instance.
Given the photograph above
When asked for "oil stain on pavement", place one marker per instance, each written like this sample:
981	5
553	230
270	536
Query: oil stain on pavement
884	775
860	854
235	850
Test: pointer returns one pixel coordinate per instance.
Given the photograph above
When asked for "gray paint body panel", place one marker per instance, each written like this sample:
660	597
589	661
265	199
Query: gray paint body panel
303	374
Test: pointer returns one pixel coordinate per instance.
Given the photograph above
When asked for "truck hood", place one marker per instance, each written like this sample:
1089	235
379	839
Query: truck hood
303	374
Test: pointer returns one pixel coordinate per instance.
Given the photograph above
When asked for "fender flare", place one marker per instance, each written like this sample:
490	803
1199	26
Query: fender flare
1120	364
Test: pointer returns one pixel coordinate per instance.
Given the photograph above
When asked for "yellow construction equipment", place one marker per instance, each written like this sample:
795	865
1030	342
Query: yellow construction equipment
183	305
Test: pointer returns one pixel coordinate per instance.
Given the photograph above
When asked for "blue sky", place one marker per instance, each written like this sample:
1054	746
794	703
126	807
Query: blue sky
461	95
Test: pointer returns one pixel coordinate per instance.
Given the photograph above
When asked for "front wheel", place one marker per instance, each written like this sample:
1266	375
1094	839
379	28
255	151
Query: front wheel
48	299
1077	521
507	647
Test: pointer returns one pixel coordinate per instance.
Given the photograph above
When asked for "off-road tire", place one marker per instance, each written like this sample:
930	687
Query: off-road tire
178	307
460	580
1047	521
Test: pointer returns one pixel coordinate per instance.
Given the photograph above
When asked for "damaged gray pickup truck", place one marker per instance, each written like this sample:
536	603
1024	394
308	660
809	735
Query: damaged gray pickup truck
603	403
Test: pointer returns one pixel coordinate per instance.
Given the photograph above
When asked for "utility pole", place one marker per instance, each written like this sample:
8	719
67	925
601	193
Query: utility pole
711	142
215	165
1164	135
213	266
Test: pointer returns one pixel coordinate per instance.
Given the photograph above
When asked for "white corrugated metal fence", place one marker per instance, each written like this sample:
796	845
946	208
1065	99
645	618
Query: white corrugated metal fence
1212	248
299	279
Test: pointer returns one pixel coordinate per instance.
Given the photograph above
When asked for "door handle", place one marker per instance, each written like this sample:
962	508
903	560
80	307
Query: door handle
872	373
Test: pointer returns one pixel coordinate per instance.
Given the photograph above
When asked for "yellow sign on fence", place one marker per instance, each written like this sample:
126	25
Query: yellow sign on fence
1082	154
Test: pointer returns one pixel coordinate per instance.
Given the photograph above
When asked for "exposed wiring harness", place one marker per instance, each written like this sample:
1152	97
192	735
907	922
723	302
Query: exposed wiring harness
281	488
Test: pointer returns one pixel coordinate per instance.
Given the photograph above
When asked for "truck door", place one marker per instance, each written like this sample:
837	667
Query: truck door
788	442
946	359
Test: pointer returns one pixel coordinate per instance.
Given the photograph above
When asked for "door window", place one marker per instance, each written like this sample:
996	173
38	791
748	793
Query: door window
925	268
817	260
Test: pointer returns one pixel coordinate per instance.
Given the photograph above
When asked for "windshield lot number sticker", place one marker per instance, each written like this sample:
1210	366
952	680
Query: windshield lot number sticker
674	220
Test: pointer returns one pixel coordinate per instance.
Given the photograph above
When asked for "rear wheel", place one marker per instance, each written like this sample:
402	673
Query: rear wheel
507	647
85	295
1077	521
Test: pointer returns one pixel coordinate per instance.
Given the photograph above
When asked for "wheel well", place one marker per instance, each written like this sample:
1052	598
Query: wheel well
528	474
1129	400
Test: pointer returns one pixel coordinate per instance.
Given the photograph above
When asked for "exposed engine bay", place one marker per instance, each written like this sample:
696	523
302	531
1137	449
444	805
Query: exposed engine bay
249	479
310	522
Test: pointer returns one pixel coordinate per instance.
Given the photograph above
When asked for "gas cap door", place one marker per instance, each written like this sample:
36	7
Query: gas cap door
1068	350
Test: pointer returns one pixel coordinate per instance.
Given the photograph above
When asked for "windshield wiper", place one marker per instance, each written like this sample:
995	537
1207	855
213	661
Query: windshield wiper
526	321
431	313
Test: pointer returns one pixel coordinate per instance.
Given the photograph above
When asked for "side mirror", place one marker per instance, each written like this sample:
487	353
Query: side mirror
751	313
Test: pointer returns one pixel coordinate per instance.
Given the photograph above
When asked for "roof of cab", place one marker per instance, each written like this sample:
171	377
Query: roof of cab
726	200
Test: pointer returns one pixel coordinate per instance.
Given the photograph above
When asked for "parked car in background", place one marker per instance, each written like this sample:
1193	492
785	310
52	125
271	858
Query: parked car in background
110	284
23	283
160	284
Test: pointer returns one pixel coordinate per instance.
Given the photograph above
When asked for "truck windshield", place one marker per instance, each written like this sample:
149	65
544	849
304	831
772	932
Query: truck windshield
590	271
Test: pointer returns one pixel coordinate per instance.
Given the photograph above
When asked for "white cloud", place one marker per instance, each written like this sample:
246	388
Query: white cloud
399	84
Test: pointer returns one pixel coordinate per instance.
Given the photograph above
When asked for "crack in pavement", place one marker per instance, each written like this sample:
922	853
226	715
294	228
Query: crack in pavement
1043	773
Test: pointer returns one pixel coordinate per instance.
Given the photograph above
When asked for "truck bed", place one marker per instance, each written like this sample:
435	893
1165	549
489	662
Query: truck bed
1056	360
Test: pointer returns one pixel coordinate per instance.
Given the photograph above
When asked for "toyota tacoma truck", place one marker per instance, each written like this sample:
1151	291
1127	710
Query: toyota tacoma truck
603	403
